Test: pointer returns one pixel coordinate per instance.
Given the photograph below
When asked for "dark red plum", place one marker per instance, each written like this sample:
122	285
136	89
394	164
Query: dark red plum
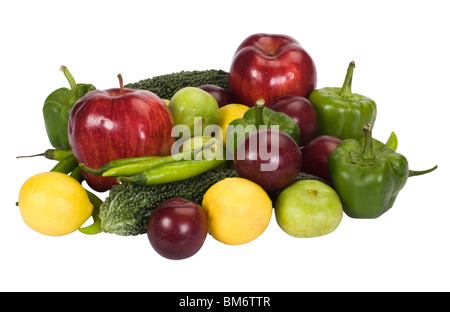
315	156
302	111
222	96
268	157
177	228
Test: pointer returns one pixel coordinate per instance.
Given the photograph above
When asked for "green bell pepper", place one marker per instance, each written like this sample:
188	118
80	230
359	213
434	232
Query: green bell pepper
368	175
257	116
341	113
57	108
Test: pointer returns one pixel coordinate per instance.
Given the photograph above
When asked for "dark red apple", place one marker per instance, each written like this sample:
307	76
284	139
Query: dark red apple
268	66
268	157
222	96
118	123
315	156
177	228
302	111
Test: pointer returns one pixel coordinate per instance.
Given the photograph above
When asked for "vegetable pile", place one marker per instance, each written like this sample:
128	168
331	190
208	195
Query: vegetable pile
156	148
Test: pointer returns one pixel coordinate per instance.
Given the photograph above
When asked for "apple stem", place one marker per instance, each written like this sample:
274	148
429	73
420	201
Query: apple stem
259	106
347	86
120	83
73	84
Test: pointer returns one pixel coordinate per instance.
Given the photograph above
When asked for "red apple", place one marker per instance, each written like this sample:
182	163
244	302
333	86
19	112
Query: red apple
268	66
118	123
315	156
302	111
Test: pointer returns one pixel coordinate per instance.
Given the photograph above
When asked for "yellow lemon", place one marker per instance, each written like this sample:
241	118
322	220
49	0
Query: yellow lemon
238	210
54	203
227	114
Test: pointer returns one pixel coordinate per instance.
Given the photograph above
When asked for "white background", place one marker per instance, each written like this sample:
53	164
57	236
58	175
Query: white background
401	52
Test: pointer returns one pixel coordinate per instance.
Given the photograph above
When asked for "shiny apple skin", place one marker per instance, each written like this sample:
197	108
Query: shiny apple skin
268	66
315	156
288	160
107	125
177	228
303	113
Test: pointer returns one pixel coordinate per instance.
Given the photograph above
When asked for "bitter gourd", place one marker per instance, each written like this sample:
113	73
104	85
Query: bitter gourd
128	207
165	86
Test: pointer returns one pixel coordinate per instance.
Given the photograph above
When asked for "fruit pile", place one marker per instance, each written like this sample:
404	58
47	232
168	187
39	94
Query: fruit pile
191	153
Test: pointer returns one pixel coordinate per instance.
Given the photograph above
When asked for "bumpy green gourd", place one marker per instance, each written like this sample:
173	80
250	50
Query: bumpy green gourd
128	207
165	86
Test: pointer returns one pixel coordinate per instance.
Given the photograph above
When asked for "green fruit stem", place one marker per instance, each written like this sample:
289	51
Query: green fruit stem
368	154
70	79
346	90
259	107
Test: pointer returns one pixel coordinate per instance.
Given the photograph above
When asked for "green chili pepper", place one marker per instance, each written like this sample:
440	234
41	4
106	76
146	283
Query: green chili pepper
52	154
340	112
173	172
66	165
117	163
257	116
57	109
95	227
136	167
368	175
77	175
132	165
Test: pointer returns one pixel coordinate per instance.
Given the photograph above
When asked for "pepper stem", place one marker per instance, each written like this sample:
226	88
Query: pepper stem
347	86
413	173
259	107
120	83
367	153
73	84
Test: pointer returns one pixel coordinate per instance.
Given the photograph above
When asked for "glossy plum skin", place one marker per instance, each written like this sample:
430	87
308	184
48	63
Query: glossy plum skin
177	228
286	161
315	156
268	66
222	96
303	113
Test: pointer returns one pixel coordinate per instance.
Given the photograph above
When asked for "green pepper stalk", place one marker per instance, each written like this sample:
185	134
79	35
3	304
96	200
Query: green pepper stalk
258	116
259	108
341	113
367	153
346	90
368	175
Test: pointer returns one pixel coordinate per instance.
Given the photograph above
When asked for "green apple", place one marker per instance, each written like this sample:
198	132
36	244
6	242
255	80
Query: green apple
194	108
308	208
